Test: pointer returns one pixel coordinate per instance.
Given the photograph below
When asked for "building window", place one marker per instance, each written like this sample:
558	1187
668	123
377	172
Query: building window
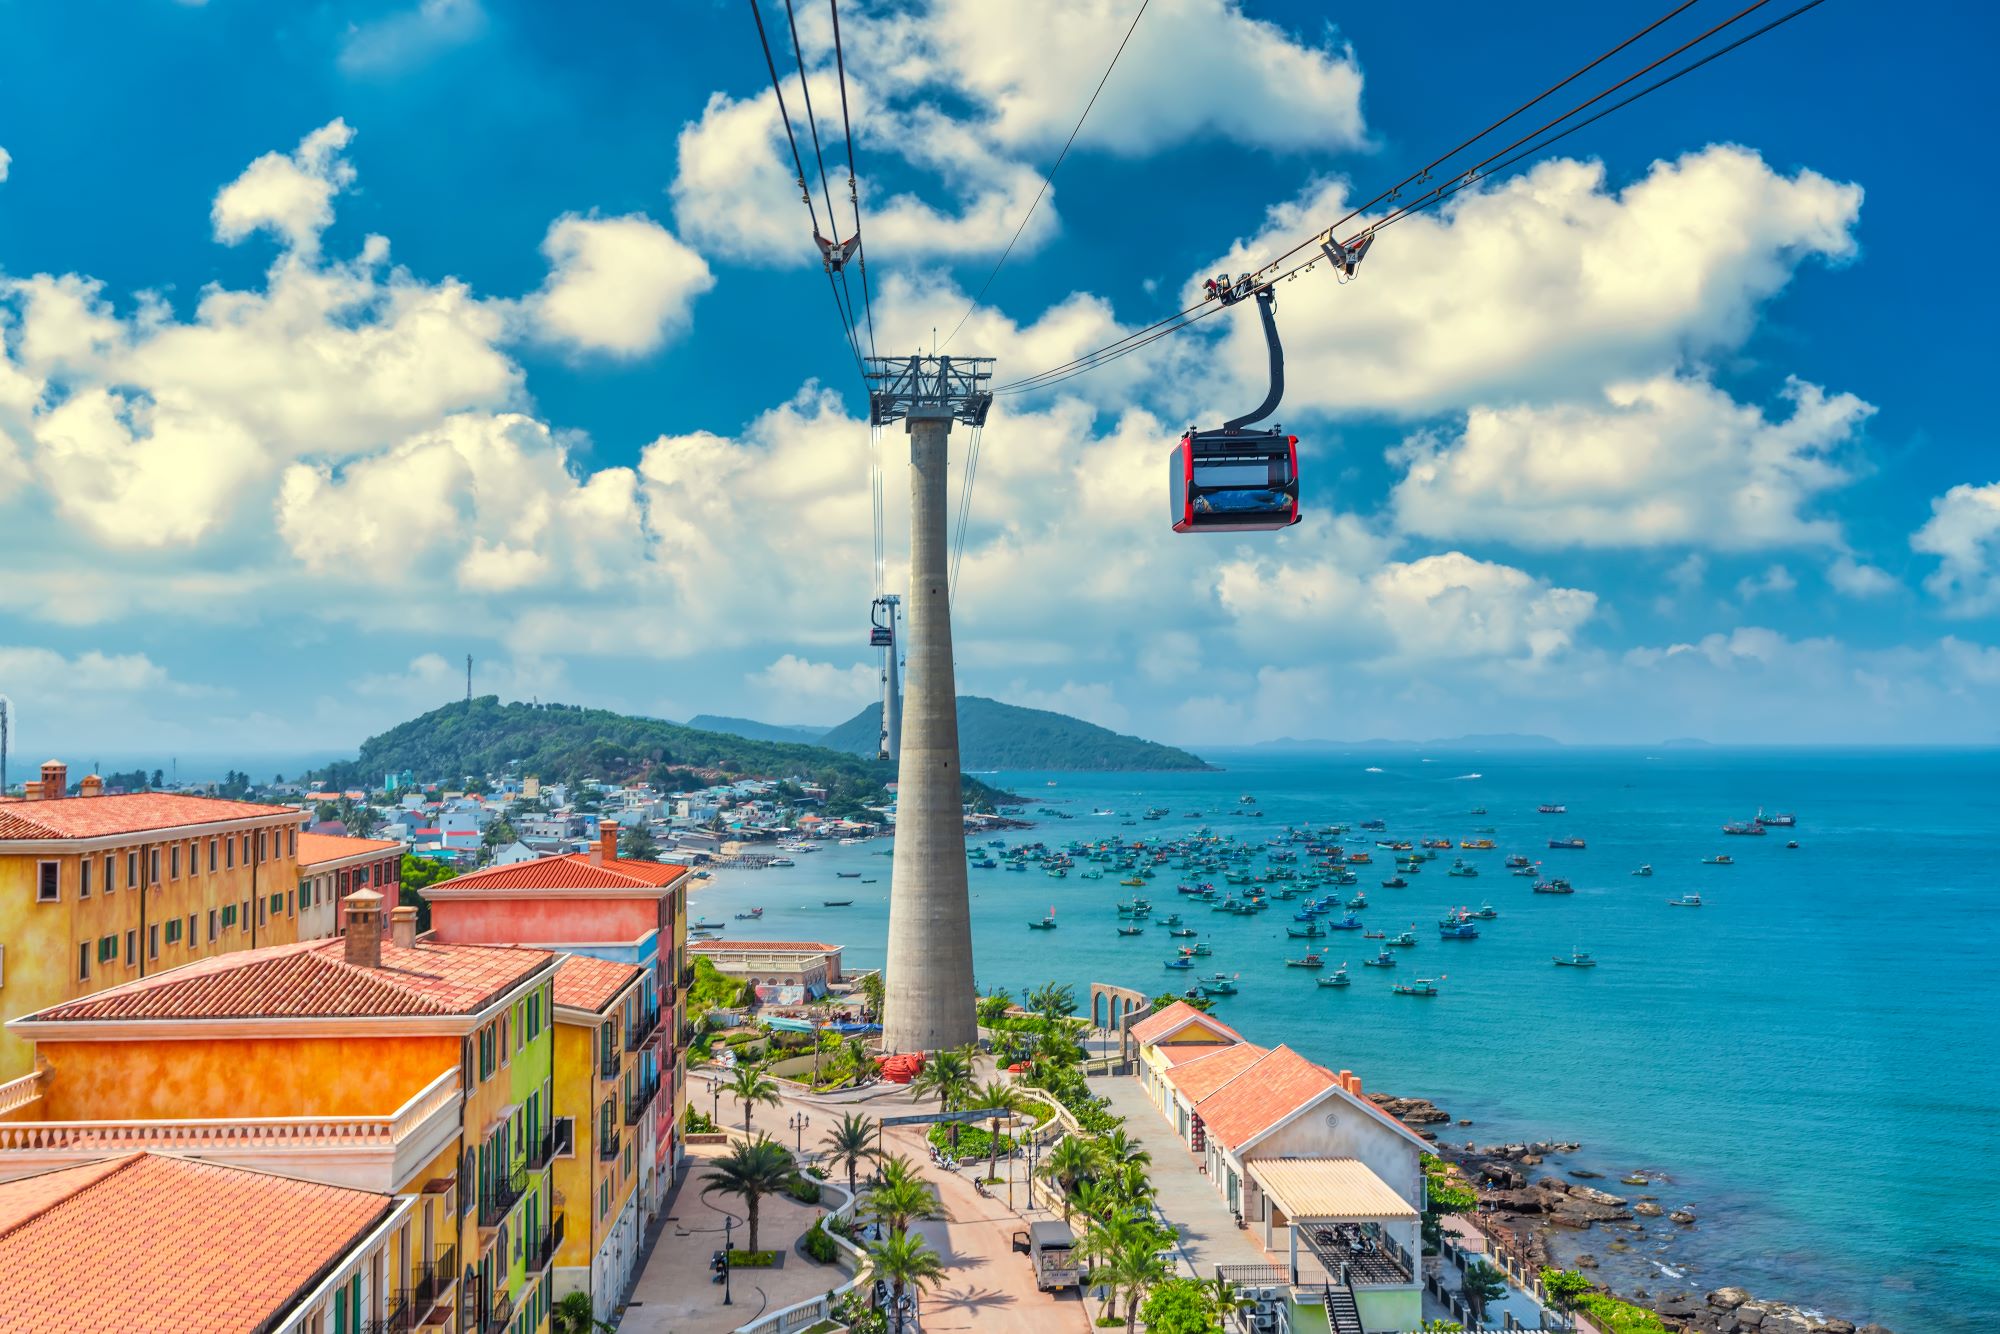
48	882
229	914
153	941
107	949
153	866
110	872
291	842
83	877
131	947
83	962
193	939
262	846
174	931
245	919
228	852
211	926
132	870
246	849
505	1054
211	856
277	904
174	862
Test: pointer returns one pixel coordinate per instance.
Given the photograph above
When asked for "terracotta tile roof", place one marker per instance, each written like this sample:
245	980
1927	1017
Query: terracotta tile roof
1263	1095
1181	1053
1207	1073
313	979
317	848
130	813
67	1252
777	946
573	870
587	983
1156	1026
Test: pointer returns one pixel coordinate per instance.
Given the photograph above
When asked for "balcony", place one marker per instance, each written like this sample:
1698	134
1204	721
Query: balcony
491	1313
607	1064
400	1318
637	1033
687	976
543	1253
496	1200
607	1145
687	1032
558	1141
640	1099
433	1281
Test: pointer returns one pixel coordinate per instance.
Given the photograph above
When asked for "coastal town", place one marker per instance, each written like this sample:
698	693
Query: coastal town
478	1032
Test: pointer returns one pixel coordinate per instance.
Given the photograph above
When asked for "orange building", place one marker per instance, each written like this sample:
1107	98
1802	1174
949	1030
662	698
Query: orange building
98	890
413	1069
608	907
332	866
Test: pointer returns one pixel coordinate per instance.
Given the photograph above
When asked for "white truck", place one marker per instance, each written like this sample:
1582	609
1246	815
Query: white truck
1050	1246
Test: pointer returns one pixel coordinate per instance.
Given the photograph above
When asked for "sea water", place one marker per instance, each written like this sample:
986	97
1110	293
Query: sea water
1812	1058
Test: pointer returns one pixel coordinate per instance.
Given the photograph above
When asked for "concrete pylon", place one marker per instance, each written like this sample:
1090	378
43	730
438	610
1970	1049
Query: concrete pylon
928	1002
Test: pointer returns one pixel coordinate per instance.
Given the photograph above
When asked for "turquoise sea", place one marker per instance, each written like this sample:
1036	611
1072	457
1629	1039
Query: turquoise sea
1813	1057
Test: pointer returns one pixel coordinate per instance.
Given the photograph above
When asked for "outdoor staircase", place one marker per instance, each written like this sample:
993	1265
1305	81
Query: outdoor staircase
1342	1316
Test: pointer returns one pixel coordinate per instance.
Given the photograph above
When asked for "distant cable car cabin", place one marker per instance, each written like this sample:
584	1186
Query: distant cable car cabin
879	633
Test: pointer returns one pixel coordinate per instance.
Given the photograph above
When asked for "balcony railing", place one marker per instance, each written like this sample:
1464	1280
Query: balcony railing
640	1099
548	1244
558	1141
687	976
434	1278
607	1064
637	1033
493	1312
497	1199
607	1145
400	1318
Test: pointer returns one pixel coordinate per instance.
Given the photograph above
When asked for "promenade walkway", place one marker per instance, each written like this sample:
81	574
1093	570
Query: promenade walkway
1209	1236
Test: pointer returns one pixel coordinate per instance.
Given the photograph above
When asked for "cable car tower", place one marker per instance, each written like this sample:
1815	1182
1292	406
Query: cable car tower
928	1003
882	635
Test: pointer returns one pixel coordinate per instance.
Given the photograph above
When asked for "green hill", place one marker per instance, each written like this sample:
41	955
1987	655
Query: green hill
992	735
795	733
568	742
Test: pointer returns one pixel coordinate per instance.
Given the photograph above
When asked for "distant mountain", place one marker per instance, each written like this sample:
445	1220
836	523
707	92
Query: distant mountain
992	735
568	742
797	733
1474	741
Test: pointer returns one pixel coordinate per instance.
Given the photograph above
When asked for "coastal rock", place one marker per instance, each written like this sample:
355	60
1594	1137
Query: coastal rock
1727	1299
1874	1329
1682	1216
1518	1201
1752	1314
1647	1209
1412	1111
1502	1176
1679	1305
1531	1159
1635	1180
1596	1196
1465	1120
1836	1327
1585	1174
1785	1320
1586	1261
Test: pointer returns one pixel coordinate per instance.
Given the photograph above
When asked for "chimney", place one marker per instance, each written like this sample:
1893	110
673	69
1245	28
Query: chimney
363	909
607	843
91	786
403	927
55	779
31	790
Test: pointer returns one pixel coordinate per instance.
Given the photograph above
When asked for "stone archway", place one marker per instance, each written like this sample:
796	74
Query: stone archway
1113	1009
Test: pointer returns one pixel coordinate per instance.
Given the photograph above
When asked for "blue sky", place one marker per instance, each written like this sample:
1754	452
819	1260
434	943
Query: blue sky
337	342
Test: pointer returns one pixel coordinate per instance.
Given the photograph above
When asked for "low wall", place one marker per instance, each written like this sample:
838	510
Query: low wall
805	1314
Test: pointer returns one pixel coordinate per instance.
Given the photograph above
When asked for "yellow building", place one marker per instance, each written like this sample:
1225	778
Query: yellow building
418	1070
98	890
603	1086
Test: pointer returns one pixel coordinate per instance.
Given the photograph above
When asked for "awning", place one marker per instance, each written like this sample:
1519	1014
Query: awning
1331	1189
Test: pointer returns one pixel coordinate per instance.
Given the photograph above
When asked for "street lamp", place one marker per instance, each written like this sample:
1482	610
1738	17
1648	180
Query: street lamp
728	1224
715	1102
798	1123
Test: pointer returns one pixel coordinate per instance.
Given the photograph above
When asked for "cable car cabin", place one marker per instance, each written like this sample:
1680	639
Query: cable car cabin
879	637
1234	481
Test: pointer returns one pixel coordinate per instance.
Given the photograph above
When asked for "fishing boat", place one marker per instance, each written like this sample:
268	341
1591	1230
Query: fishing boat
1751	828
1133	881
1719	859
1016	866
1310	931
1358	902
1310	961
1092	875
1793	844
1200	951
1685	901
1486	912
1477	844
1576	959
1174	920
1402	938
1348	922
847	875
1182	962
1645	870
1550	808
1182	932
984	864
1374	935
1046	924
1573	844
1443	843
1423	986
836	903
1057	873
1218	986
705	926
1131	930
1462	870
1460	931
751	916
1337	978
1528	871
1395	882
1783	820
1383	959
1555	886
1516	861
1477	810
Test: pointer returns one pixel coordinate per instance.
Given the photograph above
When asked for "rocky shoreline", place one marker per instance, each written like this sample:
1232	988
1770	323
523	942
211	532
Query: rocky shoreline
1533	1207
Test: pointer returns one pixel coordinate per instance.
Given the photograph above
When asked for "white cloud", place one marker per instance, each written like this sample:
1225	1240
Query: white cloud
411	36
29	670
1775	581
797	687
1963	532
6	160
1548	284
617	285
1854	579
1014	95
288	194
1665	461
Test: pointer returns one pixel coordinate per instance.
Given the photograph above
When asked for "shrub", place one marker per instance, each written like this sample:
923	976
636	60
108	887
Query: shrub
818	1246
803	1189
752	1259
1616	1317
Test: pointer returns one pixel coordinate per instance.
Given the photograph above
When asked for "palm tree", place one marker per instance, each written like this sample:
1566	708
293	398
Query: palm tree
948	1075
894	1167
1135	1267
1116	1235
752	1171
1122	1148
572	1315
1129	1182
1224	1298
858	1057
872	989
1072	1160
902	1259
851	1141
1053	1001
1094	1199
750	1086
1482	1283
995	1095
897	1204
